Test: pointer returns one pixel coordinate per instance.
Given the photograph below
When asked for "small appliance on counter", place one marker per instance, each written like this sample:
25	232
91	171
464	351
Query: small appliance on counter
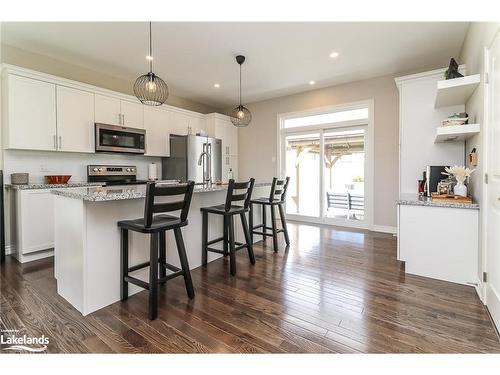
434	175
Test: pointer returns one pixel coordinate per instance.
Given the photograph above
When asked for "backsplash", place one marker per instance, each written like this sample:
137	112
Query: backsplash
41	163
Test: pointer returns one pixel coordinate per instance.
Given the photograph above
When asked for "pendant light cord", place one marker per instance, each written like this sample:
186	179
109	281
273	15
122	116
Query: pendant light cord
240	85
150	49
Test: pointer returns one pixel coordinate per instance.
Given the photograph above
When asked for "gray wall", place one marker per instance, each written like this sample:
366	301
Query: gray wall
258	142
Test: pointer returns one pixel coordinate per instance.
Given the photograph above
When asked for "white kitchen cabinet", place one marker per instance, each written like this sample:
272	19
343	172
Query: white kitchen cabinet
75	120
115	111
34	223
107	110
30	114
132	114
182	123
156	124
439	242
225	130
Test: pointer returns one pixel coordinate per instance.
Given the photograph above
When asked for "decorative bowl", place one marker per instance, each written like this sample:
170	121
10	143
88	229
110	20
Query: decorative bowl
57	179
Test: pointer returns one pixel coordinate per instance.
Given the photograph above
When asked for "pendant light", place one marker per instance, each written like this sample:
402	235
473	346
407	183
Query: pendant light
149	88
240	115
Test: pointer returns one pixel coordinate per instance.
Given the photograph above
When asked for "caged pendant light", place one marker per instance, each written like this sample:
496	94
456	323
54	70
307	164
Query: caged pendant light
149	88
240	115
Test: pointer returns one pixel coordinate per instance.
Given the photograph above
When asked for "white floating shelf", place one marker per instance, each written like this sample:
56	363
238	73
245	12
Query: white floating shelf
456	133
456	91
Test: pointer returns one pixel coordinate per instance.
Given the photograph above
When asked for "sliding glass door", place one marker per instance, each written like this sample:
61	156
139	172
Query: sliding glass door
303	156
327	166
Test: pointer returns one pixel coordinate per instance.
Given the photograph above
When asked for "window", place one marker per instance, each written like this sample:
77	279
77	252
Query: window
327	118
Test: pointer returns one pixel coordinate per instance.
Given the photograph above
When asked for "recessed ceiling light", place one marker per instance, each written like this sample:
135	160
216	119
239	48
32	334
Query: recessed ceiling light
149	58
312	82
334	54
216	85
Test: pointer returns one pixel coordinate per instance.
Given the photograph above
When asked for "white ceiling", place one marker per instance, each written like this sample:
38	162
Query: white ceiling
281	57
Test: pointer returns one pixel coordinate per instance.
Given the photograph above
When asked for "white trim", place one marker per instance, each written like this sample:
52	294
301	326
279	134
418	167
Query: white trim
10	249
369	154
425	75
385	229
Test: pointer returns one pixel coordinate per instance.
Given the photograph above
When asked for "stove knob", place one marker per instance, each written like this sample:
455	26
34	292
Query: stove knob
128	169
132	169
100	169
95	169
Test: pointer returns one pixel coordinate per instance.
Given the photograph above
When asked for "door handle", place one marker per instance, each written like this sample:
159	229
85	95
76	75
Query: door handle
60	142
55	142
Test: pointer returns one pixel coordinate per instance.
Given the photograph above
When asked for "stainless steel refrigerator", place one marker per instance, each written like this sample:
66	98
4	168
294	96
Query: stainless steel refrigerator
193	157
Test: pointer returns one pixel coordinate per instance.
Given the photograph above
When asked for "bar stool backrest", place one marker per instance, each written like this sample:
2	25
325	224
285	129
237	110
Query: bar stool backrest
157	190
278	187
245	196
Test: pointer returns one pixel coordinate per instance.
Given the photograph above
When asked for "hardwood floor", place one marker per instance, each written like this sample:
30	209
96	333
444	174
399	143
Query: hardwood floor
334	290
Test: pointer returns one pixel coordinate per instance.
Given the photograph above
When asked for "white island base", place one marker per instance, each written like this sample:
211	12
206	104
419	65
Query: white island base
87	240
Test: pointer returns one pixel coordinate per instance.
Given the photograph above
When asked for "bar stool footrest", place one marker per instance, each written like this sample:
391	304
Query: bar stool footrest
135	281
171	276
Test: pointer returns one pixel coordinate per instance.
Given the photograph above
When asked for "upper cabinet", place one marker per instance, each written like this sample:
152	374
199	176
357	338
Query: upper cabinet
29	114
156	124
224	129
114	111
75	120
132	114
107	110
44	112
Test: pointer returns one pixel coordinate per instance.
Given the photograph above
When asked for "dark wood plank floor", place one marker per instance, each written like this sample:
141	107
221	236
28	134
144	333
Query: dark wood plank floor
333	291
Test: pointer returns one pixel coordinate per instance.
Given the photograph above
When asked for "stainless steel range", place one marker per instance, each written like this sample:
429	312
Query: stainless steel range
113	174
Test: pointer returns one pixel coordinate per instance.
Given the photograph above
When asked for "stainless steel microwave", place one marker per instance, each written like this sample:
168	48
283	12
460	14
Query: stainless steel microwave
114	138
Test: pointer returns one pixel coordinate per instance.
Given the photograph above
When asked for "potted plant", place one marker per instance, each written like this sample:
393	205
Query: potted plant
460	173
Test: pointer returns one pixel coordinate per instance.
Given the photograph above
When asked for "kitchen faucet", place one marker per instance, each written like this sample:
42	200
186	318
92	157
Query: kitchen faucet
207	175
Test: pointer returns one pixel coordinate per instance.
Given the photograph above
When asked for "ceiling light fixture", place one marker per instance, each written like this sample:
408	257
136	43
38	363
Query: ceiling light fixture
312	82
240	115
149	88
334	54
216	85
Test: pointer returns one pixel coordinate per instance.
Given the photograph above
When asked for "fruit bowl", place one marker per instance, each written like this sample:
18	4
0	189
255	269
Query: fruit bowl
57	179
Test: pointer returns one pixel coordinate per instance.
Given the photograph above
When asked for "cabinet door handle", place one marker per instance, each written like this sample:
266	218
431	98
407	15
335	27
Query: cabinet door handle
60	142
123	119
55	142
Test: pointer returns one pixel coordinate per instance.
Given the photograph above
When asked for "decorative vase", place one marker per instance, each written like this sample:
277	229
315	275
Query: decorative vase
460	189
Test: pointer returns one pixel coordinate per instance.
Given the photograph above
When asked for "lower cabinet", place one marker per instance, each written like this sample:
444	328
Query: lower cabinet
439	242
34	224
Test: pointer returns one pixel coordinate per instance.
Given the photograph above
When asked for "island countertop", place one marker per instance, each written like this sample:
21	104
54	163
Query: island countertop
41	185
116	193
418	200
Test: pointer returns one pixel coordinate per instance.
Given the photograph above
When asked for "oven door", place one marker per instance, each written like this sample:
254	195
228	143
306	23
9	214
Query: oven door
112	138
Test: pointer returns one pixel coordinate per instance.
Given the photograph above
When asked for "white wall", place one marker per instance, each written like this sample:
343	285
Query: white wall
258	142
479	37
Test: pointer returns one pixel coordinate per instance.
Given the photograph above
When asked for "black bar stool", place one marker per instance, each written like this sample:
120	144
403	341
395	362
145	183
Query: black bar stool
156	226
276	198
228	211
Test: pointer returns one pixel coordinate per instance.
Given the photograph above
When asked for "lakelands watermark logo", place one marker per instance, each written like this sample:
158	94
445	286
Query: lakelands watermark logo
13	340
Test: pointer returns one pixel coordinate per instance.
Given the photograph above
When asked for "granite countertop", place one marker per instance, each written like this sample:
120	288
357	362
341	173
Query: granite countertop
417	200
42	185
116	193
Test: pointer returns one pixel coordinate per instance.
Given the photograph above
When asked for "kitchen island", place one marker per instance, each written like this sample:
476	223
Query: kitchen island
87	239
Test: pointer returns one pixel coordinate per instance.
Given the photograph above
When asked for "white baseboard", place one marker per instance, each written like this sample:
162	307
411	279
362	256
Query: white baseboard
384	229
480	290
493	303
